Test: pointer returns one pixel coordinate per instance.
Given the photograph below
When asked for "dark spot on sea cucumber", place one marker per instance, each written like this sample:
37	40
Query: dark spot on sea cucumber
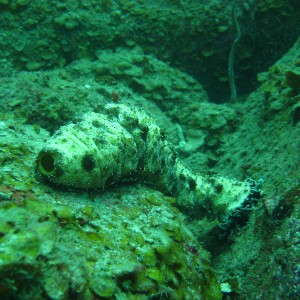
219	188
163	134
132	122
163	163
182	177
88	163
141	163
144	133
96	123
211	180
99	141
192	184
173	157
77	127
174	189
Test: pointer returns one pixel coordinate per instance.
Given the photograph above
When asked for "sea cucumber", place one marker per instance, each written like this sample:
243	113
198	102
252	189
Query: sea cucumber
123	143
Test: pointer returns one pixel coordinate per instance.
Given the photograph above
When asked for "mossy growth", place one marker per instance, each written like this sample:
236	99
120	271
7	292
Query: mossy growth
128	245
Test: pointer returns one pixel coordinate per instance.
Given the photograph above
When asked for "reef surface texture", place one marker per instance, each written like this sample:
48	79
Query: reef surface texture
137	204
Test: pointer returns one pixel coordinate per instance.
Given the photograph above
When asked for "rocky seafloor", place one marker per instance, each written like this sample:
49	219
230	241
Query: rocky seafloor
131	242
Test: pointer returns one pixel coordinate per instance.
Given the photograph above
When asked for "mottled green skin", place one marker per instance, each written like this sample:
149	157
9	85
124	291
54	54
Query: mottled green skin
123	143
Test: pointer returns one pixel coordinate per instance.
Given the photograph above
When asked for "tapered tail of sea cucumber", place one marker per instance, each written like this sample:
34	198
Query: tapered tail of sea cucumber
214	197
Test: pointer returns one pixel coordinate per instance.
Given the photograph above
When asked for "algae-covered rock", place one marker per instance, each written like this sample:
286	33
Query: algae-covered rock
193	35
149	77
116	249
14	4
52	98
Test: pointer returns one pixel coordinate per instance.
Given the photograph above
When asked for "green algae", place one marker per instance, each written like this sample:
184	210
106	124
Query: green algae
111	250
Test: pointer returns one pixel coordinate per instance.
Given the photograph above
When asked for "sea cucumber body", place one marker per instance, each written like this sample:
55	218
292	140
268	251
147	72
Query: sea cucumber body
123	143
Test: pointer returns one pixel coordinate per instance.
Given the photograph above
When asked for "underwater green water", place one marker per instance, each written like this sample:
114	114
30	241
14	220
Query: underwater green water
149	149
